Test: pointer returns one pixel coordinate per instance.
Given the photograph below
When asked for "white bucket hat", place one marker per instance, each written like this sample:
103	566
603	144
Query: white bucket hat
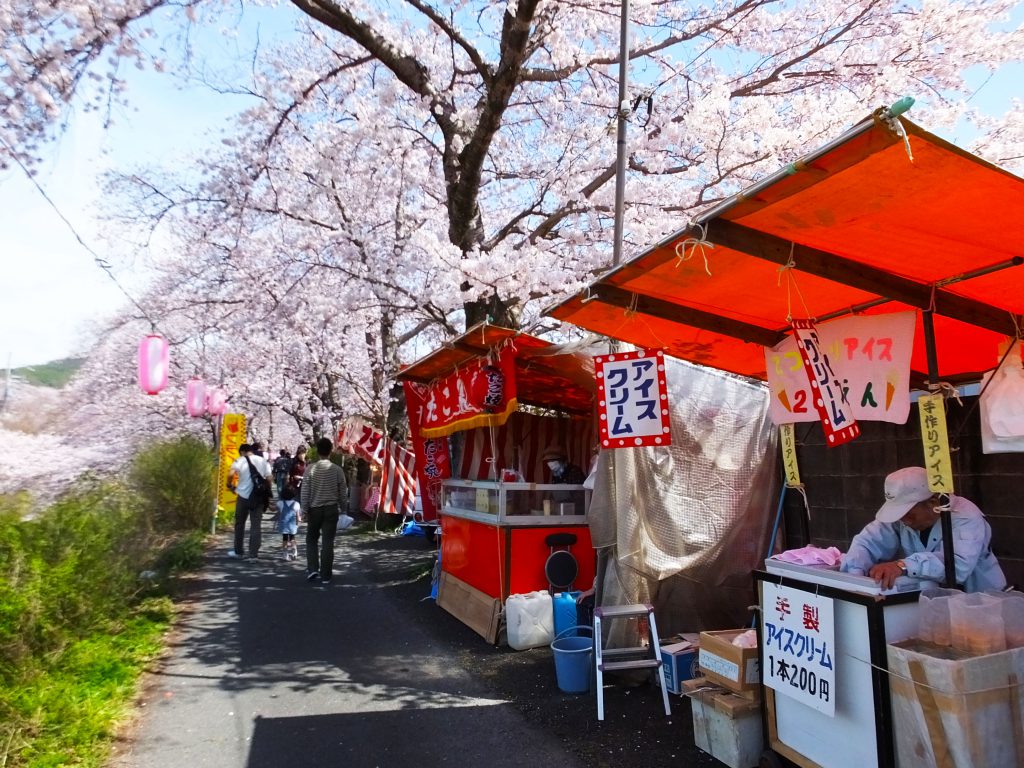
903	489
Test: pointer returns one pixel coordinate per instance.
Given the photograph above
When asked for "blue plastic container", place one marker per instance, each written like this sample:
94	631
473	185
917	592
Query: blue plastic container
574	658
564	607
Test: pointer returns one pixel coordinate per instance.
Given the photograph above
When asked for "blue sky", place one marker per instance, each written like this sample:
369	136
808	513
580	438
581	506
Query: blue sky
53	293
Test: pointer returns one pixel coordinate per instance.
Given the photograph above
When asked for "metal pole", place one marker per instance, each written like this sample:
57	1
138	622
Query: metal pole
216	484
948	555
621	115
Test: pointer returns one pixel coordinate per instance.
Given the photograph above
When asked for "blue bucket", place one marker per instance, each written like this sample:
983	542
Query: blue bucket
574	657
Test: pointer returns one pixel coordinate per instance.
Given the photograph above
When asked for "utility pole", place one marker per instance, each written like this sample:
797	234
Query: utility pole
621	115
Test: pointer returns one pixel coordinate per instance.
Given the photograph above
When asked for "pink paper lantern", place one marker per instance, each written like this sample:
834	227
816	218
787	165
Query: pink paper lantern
153	362
195	397
216	401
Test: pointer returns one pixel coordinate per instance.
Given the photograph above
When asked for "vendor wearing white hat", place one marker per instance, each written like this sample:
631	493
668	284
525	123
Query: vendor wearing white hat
905	538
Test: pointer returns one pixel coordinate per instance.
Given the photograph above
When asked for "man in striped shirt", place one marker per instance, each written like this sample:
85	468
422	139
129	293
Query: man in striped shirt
324	489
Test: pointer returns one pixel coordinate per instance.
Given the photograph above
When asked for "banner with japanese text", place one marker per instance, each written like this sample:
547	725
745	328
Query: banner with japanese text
632	399
798	632
232	435
934	436
433	460
828	394
872	355
481	394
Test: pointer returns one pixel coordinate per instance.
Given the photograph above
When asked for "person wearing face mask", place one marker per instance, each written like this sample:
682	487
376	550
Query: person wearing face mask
905	538
562	472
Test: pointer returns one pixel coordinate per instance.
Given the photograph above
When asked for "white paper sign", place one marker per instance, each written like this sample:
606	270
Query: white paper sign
798	633
632	399
872	355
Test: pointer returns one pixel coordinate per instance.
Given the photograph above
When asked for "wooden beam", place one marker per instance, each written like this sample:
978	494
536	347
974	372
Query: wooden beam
676	313
857	275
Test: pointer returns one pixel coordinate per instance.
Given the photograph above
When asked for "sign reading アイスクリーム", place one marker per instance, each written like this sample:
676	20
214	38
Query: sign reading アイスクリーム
798	634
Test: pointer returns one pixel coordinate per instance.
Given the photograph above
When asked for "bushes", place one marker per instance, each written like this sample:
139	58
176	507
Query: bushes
176	483
80	605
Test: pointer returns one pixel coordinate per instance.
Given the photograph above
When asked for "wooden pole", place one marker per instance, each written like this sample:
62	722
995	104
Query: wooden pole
948	555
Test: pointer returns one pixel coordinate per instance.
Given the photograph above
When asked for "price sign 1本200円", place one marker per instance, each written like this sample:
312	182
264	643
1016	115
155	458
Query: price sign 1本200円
798	633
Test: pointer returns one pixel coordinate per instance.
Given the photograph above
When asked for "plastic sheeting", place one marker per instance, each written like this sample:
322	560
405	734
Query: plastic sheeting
688	522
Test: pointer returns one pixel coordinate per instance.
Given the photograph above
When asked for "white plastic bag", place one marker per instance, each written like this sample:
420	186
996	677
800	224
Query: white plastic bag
1002	407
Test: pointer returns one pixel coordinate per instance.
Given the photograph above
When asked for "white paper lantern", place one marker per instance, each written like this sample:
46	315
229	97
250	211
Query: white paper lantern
195	397
154	354
216	401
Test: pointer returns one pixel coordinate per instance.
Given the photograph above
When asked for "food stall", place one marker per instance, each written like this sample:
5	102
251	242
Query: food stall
886	222
483	410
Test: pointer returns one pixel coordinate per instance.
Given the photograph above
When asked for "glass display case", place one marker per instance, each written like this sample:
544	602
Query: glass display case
515	503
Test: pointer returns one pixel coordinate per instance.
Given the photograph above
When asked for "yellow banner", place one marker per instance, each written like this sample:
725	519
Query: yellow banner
232	435
932	410
787	442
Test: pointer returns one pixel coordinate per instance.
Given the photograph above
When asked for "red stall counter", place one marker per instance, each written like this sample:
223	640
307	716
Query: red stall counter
494	544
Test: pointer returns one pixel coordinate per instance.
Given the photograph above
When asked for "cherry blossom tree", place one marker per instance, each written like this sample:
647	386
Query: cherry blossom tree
410	167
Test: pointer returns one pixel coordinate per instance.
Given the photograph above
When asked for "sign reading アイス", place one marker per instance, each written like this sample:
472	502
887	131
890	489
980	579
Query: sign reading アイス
798	632
632	399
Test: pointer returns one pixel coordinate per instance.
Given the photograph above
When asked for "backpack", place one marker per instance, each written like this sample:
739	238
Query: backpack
260	486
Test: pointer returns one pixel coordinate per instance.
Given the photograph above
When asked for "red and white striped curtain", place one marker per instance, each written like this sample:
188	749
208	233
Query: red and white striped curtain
520	443
398	480
397	494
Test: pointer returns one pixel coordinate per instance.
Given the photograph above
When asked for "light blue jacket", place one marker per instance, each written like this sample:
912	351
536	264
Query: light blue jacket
976	567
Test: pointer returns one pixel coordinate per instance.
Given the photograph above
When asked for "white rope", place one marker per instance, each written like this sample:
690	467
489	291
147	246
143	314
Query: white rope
695	244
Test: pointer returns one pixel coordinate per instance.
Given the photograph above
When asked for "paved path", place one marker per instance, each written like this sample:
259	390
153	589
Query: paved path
269	671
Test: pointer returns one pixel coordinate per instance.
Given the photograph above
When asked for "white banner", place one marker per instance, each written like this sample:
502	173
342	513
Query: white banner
798	633
871	354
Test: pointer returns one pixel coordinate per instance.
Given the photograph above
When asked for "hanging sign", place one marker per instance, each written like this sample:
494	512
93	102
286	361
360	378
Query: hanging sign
798	632
827	394
873	353
632	399
787	442
483	394
433	459
932	410
232	435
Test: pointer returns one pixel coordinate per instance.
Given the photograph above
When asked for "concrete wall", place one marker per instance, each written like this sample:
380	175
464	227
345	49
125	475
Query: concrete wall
844	484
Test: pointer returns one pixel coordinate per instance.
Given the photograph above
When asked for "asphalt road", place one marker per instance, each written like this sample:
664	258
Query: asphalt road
268	671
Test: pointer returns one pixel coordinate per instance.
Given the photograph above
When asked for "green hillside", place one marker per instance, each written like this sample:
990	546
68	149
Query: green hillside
54	374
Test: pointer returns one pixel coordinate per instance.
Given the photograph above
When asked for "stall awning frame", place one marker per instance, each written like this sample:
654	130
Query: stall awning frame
545	377
863	227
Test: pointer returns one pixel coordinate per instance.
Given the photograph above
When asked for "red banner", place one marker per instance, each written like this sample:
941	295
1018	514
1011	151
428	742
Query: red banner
433	462
827	393
481	394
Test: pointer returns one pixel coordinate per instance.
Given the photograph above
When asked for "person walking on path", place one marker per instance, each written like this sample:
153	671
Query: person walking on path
289	515
251	502
323	490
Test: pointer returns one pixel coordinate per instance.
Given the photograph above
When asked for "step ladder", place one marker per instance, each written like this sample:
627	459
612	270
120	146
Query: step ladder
640	657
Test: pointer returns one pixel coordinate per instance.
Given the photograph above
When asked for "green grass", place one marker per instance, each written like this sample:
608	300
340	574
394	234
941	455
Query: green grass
66	710
54	374
84	601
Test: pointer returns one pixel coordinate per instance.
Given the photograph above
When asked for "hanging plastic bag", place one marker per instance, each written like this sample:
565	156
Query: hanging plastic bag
1002	406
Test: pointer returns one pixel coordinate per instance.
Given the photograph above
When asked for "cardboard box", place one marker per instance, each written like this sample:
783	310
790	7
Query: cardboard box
729	665
679	660
726	726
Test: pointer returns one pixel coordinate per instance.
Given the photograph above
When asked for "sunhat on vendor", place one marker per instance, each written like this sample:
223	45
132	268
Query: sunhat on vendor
904	489
554	453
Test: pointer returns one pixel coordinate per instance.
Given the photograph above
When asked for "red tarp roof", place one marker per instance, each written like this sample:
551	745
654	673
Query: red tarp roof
544	377
866	229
